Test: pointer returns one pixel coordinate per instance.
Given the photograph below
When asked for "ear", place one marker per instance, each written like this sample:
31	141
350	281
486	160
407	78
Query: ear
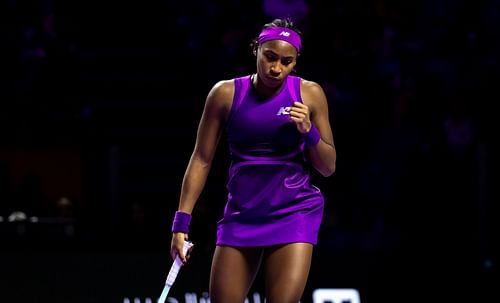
255	50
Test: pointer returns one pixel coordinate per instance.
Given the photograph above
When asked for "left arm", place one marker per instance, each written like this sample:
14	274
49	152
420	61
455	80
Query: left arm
314	111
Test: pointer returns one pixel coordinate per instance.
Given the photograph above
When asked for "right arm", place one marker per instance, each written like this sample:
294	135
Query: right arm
216	109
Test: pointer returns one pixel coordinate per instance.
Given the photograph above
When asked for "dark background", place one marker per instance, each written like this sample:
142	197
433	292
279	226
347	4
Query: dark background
100	104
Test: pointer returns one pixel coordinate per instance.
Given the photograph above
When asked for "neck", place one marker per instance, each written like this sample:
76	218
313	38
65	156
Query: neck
263	90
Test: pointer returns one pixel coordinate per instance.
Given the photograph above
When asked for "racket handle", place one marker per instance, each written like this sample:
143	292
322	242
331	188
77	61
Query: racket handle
176	266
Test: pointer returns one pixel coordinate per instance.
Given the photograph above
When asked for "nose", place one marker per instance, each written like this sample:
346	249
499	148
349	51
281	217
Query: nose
276	68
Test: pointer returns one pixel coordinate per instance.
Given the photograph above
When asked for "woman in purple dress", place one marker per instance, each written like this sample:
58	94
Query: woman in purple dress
277	127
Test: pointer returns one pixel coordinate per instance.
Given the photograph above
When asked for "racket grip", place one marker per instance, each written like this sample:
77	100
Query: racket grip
176	266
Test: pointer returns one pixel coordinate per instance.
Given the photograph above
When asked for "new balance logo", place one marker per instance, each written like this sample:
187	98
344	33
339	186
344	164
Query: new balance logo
284	33
283	111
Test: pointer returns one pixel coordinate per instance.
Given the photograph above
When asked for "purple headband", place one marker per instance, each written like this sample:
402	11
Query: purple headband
280	33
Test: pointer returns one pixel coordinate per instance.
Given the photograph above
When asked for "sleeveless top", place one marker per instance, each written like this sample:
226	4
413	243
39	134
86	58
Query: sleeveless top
270	198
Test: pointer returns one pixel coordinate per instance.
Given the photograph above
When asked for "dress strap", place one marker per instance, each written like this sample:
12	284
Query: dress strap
293	84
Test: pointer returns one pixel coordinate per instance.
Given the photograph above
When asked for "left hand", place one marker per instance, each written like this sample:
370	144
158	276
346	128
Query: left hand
300	115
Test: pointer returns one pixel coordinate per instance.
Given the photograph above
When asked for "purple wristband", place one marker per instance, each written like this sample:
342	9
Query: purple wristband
312	137
181	222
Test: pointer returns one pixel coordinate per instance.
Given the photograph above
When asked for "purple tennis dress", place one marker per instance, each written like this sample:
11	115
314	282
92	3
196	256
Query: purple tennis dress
270	197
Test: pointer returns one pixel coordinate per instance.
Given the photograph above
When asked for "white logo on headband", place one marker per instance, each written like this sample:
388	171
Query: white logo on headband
286	34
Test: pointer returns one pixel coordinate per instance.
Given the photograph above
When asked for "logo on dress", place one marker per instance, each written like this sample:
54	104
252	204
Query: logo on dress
284	110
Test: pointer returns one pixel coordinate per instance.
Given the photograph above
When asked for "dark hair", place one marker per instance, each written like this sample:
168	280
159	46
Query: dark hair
286	23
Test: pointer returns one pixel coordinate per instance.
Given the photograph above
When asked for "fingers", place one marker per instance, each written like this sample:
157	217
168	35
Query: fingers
177	246
185	257
188	254
299	111
181	254
174	250
300	115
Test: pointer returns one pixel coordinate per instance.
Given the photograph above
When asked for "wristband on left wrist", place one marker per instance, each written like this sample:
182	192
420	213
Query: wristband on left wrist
312	137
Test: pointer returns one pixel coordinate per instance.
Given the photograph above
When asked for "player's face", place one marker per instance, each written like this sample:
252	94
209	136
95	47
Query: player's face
275	61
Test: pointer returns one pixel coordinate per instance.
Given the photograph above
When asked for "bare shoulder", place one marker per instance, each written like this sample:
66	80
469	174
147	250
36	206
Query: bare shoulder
312	93
223	89
220	97
311	87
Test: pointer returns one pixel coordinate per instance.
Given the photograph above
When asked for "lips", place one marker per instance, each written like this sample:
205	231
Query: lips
273	79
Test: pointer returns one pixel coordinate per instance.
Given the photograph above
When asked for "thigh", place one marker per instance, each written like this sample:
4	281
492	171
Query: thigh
286	271
233	272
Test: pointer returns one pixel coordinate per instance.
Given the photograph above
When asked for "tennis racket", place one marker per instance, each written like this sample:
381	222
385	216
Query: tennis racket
174	270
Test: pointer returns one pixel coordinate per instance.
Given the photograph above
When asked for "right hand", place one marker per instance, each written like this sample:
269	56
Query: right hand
177	246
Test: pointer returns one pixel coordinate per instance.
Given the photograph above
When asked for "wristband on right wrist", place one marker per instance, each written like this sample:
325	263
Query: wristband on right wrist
181	222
